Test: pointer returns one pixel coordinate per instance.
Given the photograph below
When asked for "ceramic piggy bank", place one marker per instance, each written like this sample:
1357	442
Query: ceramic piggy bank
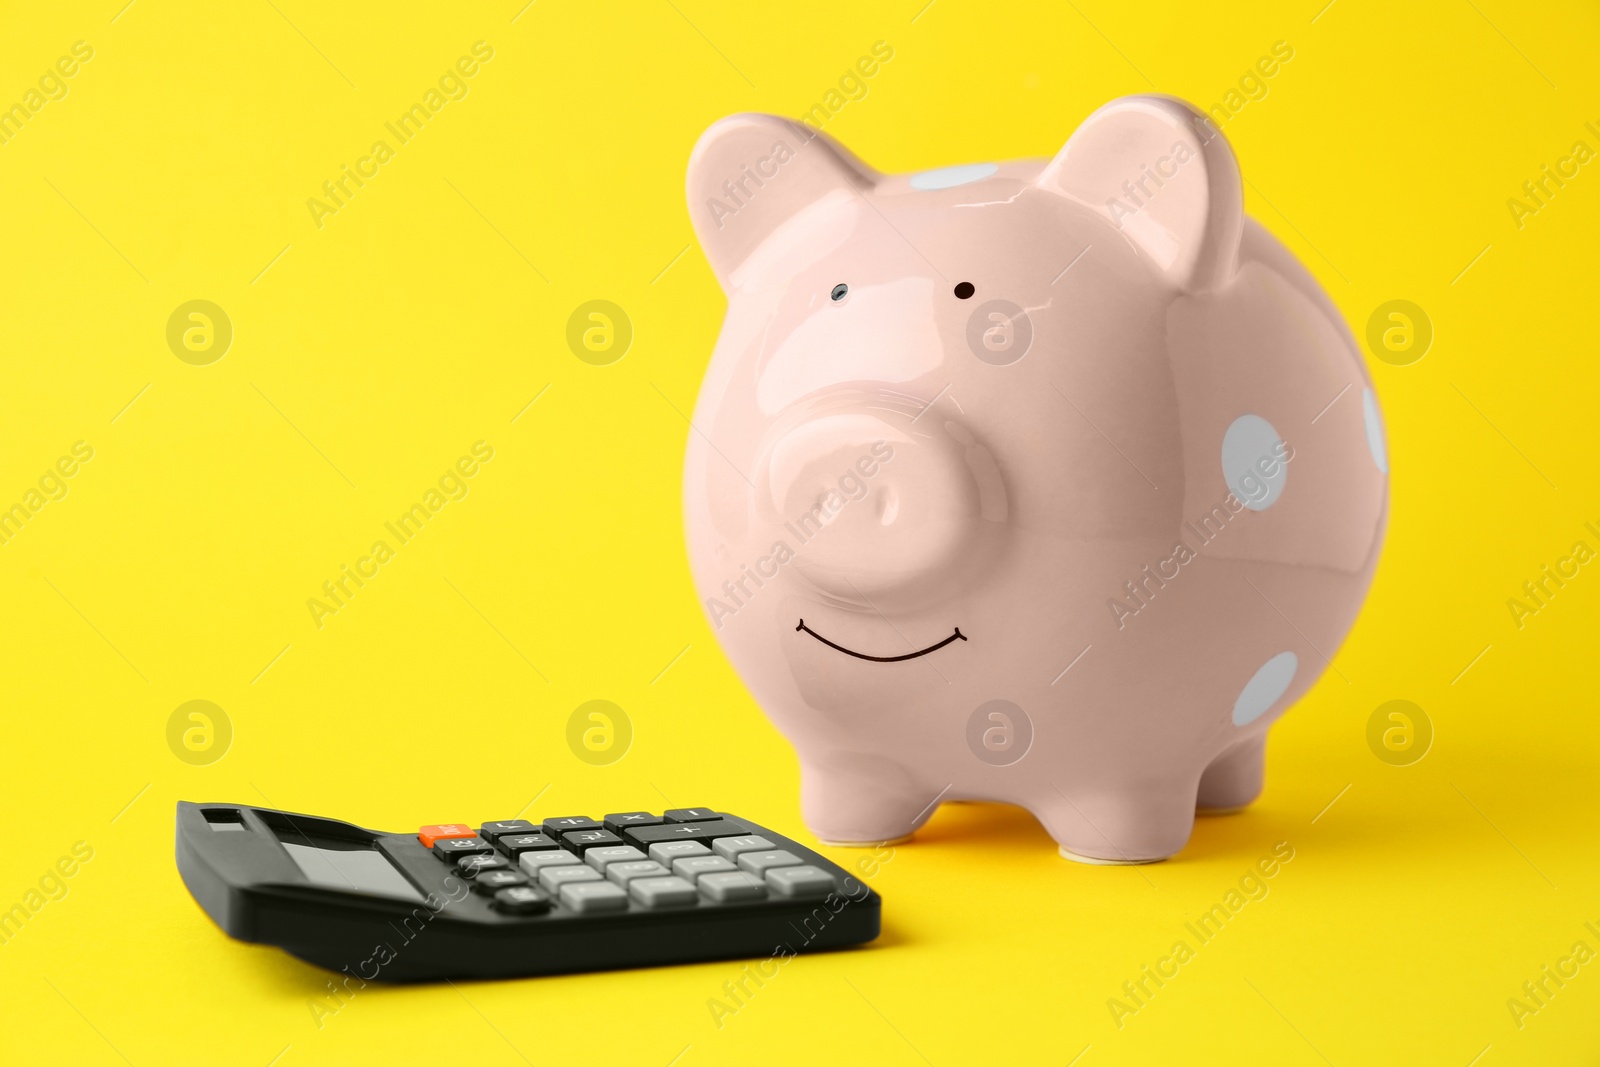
1051	482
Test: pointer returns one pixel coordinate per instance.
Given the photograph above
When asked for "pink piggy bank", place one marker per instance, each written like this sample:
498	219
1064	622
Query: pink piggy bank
1051	482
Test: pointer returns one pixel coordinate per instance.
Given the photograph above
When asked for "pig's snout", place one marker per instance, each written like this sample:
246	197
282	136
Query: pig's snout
883	513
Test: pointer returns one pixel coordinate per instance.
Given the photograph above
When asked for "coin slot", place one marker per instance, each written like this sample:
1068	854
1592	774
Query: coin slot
224	818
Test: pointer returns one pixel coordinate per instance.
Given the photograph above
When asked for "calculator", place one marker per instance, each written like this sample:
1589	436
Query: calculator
516	897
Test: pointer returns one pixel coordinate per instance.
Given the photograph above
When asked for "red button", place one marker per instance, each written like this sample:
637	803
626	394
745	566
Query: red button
430	834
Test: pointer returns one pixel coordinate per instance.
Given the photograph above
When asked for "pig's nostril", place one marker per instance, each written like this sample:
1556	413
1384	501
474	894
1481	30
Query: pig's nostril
888	507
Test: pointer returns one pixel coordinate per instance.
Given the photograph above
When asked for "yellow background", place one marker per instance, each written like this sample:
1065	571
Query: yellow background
370	353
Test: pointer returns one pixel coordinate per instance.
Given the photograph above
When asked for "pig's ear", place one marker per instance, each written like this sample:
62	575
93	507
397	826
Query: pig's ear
750	173
1159	171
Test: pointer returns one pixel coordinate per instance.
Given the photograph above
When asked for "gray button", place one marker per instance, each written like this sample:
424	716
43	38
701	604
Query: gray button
761	862
594	896
662	892
667	851
802	881
552	878
601	858
623	873
532	862
732	846
729	886
692	867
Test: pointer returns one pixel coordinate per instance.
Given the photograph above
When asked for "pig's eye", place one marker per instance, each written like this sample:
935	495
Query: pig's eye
964	290
839	291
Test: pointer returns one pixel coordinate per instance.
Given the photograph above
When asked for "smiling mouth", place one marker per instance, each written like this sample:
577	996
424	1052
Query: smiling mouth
957	635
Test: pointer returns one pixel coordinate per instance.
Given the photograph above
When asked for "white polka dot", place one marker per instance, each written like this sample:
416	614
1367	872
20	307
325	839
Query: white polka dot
1251	462
1263	690
1369	409
950	177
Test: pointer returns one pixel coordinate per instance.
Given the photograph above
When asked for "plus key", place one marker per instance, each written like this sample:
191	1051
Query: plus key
645	836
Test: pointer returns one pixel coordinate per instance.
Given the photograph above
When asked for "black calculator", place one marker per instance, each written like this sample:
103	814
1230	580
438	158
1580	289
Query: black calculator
516	897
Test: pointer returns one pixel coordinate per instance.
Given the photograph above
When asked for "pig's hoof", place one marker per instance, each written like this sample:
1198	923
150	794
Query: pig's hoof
1233	779
1236	809
866	844
1101	861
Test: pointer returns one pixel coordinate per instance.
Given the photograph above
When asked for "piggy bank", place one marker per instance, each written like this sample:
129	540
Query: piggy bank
1052	482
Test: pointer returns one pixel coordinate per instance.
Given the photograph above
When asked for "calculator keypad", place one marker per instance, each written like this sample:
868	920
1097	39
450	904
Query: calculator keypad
730	847
691	868
759	863
732	885
494	831
594	896
801	881
623	873
429	834
622	820
522	900
514	845
472	866
491	882
601	858
645	836
668	851
662	892
451	849
553	878
688	814
682	858
581	840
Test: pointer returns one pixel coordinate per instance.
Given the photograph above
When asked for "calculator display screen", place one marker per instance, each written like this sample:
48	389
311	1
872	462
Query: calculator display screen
351	867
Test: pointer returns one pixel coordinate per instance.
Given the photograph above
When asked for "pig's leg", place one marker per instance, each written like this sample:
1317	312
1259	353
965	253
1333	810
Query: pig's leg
1132	825
1234	778
857	799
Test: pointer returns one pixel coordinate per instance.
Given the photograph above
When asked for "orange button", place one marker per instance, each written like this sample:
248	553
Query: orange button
430	834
